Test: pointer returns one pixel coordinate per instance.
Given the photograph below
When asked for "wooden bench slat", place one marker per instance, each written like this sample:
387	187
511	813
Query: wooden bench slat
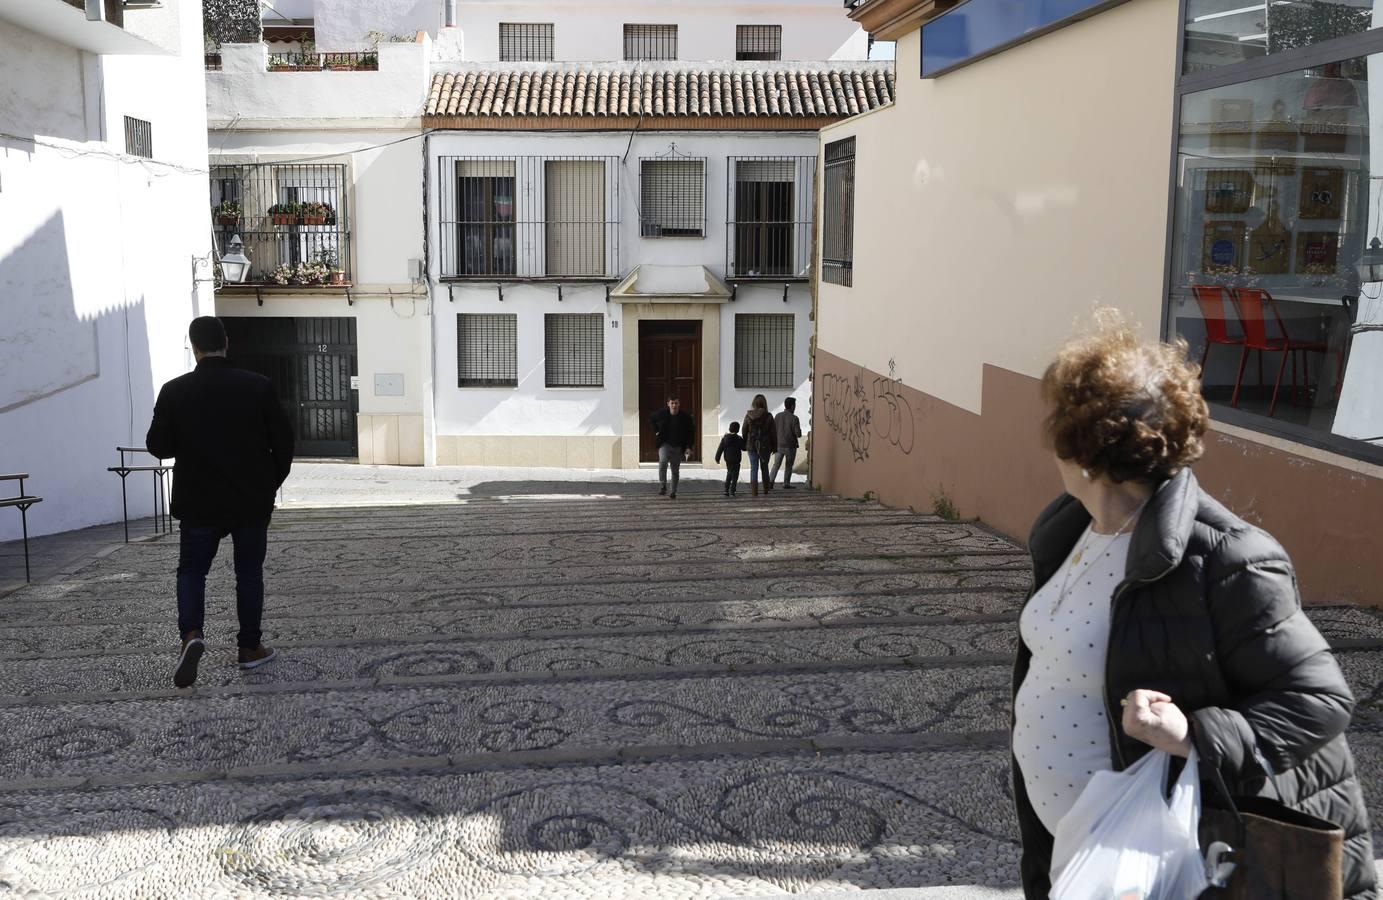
15	501
15	477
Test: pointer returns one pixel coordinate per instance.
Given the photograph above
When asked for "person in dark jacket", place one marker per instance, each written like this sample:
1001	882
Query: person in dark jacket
233	447
1159	619
732	448
760	439
674	433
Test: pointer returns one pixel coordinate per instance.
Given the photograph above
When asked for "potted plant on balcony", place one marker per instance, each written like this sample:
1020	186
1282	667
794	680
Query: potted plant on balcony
282	274
314	213
328	258
285	213
227	212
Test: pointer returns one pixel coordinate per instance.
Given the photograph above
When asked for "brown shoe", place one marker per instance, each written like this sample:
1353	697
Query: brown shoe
253	659
185	675
753	490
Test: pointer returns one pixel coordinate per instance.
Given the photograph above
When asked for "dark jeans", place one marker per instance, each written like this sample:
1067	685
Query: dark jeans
196	550
732	475
758	463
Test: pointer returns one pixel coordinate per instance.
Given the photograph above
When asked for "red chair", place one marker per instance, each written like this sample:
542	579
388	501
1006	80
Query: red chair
1252	305
1211	298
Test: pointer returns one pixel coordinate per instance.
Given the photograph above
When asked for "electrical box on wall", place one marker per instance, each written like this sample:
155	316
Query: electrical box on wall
389	384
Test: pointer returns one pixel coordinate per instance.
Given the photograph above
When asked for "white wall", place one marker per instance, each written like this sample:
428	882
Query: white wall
812	29
533	409
97	257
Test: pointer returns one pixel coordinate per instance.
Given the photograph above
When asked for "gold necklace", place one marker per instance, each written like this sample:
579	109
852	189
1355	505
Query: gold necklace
1080	552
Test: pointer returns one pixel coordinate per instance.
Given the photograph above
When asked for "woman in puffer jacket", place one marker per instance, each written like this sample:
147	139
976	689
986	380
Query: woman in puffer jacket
1162	620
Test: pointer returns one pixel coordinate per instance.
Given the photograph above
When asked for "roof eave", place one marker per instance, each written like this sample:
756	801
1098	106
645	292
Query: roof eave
889	20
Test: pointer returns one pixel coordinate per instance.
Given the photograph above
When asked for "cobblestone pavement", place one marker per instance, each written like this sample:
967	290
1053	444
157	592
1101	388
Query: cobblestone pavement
565	692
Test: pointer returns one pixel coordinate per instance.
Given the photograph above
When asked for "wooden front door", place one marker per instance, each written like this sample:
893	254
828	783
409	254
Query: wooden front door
669	365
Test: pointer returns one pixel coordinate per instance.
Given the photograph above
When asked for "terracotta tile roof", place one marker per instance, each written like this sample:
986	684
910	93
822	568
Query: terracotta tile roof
753	90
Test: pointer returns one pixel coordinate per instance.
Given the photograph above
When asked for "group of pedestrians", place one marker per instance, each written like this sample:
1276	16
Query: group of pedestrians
765	437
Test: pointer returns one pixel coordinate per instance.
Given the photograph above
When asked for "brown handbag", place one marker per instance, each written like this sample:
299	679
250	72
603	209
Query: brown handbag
1278	853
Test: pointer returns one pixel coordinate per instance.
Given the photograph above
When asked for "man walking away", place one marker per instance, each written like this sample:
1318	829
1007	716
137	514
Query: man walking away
731	446
788	431
233	448
673	432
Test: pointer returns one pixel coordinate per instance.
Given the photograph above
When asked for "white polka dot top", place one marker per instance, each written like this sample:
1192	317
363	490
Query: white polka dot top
1061	733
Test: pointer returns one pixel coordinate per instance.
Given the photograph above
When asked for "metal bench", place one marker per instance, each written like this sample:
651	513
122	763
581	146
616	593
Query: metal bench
22	503
161	514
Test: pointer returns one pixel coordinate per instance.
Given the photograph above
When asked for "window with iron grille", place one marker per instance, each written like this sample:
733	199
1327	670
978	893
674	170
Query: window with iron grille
525	41
769	230
574	349
485	217
487	350
139	137
672	197
650	41
763	350
758	42
838	213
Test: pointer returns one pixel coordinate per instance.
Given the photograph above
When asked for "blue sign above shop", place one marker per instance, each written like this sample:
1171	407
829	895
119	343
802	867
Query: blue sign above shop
978	28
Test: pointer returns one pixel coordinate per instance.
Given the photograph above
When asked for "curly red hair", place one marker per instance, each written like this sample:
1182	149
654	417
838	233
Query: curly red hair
1122	407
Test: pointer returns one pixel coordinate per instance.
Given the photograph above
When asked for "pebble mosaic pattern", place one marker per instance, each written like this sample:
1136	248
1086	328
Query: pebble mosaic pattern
542	698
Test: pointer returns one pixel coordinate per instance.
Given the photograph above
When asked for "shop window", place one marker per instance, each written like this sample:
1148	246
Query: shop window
763	350
574	348
672	197
525	41
487	350
838	213
1277	258
1223	32
650	41
758	42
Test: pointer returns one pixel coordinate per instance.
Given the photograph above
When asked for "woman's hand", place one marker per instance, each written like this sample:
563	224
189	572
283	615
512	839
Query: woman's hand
1152	717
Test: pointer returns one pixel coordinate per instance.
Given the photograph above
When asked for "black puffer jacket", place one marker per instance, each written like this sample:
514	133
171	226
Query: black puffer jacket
1208	613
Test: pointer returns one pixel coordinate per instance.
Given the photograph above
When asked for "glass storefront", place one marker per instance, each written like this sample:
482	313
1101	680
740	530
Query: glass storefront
1277	254
1224	32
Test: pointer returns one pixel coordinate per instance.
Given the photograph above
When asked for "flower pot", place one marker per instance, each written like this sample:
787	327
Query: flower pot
284	218
314	220
338	277
227	220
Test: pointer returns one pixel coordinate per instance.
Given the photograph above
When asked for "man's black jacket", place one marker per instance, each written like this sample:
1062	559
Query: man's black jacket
232	442
678	430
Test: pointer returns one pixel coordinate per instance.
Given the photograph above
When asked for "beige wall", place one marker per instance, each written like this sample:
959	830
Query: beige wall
995	204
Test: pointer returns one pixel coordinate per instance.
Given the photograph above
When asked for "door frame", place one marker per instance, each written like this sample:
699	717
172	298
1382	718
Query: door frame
708	428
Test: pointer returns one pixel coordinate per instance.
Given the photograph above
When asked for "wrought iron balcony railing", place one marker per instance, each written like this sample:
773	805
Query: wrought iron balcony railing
768	229
521	217
293	220
368	61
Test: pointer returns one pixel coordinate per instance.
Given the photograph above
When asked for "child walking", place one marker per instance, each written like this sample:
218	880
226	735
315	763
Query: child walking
731	446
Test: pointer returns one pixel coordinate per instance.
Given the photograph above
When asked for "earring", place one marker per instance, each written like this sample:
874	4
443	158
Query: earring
1085	473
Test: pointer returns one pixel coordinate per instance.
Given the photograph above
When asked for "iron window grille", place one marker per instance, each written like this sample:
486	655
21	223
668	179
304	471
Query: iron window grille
838	211
574	346
293	220
769	229
525	41
529	217
672	197
650	42
758	42
487	350
139	138
763	350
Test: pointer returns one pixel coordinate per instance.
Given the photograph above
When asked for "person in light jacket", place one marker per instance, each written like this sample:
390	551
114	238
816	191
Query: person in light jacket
787	431
1159	619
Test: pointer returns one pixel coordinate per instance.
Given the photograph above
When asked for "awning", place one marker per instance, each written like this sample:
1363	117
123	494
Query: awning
671	284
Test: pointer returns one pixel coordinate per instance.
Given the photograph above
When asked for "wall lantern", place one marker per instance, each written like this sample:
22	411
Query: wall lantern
1371	263
235	265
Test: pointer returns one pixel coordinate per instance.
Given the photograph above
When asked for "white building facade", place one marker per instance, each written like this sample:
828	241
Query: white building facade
514	234
105	242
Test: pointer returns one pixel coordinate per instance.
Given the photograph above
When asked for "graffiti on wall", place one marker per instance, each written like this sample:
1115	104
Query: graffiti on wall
858	414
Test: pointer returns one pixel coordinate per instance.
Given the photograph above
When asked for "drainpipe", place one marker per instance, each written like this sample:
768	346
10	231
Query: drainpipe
451	13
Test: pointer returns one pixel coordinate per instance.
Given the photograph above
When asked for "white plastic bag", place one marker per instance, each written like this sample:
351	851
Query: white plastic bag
1123	841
